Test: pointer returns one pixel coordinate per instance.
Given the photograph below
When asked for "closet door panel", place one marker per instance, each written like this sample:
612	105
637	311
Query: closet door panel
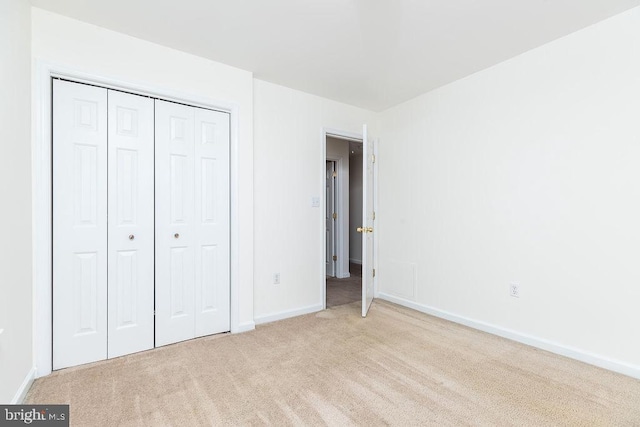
175	223
79	224
131	223
212	240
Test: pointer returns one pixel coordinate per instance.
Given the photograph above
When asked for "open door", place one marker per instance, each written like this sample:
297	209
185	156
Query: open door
368	215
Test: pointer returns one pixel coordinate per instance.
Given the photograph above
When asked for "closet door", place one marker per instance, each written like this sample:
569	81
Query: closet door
175	223
79	224
192	222
212	239
131	230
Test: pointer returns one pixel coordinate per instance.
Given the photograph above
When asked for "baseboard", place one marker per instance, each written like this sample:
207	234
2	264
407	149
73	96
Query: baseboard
287	314
24	387
355	261
563	350
343	276
245	327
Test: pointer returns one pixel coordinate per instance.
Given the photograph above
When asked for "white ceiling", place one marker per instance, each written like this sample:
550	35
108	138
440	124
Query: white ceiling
369	53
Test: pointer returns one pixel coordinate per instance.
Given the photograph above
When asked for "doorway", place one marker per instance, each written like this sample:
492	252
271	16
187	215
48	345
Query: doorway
343	203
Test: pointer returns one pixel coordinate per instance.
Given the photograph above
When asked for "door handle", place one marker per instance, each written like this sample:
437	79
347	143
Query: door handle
131	237
364	229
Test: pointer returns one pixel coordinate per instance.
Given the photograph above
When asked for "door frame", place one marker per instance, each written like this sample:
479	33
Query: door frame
347	136
341	226
42	191
337	164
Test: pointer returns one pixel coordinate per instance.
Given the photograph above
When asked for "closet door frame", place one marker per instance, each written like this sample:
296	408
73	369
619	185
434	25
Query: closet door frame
44	74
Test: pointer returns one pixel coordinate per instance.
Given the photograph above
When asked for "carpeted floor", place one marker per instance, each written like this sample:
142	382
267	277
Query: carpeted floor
395	367
345	291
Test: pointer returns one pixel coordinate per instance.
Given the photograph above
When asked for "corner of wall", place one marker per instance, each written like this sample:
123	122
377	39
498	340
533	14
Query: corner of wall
22	391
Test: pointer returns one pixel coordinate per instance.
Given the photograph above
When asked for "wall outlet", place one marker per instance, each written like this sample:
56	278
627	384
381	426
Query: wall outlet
315	202
276	278
514	290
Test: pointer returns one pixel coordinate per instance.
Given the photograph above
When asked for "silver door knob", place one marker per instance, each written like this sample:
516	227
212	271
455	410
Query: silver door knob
176	235
131	237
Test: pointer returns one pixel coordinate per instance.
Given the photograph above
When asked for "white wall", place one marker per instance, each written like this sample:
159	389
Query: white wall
530	172
338	149
355	206
94	50
289	171
16	358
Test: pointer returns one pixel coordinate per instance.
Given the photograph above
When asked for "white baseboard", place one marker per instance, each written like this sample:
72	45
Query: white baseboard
355	261
561	349
287	314
24	387
245	327
343	276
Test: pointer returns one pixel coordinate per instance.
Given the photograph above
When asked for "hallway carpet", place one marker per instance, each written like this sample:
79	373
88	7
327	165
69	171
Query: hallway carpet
345	291
395	367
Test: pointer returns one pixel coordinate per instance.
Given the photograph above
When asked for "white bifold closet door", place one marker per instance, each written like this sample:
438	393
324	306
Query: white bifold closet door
79	224
192	222
131	231
103	240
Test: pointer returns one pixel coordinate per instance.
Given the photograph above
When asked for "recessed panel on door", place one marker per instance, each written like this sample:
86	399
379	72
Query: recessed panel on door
131	223
79	224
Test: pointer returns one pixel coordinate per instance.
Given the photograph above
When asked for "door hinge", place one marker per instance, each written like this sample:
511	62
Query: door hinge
373	158
335	174
154	312
374	272
374	215
335	257
335	215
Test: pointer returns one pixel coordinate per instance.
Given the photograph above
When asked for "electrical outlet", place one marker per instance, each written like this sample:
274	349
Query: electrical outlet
514	290
276	278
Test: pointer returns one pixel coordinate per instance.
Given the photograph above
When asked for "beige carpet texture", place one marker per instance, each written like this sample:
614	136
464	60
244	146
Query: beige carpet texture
395	367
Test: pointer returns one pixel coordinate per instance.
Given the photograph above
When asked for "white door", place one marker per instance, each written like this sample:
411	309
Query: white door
79	224
330	220
368	229
131	231
192	222
212	237
175	223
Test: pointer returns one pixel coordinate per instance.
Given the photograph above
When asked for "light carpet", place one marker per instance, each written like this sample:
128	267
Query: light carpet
396	367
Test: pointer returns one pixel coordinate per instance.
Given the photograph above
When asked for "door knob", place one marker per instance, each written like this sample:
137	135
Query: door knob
131	237
176	235
364	229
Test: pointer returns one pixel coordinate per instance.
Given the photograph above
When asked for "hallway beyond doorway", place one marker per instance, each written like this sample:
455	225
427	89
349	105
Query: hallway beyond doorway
345	291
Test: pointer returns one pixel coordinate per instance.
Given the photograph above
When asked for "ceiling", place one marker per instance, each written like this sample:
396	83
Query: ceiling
369	53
